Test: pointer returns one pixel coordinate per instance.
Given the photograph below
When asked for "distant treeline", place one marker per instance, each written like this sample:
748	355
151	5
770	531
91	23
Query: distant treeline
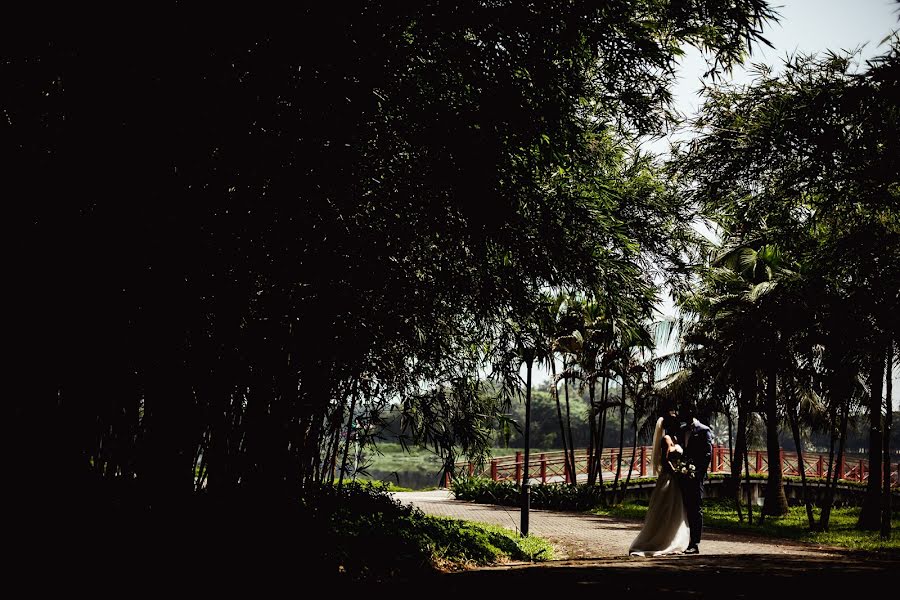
545	430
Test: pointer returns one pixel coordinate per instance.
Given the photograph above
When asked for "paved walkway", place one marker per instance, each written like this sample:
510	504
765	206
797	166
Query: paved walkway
582	536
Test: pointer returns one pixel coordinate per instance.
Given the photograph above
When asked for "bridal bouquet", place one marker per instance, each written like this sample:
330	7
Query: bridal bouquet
683	467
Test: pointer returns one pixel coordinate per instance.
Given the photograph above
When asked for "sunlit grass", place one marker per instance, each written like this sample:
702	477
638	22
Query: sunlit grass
388	485
455	543
722	514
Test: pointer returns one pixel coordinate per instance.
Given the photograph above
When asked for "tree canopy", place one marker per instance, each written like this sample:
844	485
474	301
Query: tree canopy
237	242
796	309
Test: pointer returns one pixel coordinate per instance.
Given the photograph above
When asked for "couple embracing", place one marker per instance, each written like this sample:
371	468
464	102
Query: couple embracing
681	455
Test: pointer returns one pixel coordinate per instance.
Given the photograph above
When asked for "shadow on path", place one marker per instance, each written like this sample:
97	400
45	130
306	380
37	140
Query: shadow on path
762	576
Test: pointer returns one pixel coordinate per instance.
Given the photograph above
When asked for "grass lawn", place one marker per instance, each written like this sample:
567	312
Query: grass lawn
721	514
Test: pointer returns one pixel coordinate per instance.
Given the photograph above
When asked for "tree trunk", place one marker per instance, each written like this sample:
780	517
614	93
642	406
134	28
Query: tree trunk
795	431
569	426
592	425
749	489
621	443
745	400
562	427
775	503
169	460
833	429
886	462
634	440
870	515
730	436
601	438
832	484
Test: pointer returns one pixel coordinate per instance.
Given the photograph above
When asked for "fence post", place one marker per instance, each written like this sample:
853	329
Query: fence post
543	468
518	467
758	461
643	461
471	468
781	459
820	468
843	467
493	469
861	471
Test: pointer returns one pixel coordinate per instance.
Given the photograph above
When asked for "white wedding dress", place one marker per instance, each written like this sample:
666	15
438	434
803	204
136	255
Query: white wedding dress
665	529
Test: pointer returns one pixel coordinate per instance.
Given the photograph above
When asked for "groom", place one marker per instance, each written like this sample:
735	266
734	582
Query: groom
697	450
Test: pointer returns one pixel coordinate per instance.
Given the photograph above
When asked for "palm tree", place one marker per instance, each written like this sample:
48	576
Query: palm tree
739	336
562	339
639	380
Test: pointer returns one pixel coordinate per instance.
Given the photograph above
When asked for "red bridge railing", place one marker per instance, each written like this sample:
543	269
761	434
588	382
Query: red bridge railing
551	466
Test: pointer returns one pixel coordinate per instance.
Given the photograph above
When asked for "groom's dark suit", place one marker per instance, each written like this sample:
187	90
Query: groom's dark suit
698	450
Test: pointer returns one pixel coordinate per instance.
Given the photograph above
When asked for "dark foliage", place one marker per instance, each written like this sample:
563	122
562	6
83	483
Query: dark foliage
230	238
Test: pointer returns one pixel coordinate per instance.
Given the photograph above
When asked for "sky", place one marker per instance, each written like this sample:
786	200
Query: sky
807	26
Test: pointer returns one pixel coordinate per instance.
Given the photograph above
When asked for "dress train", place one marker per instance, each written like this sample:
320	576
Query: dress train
665	529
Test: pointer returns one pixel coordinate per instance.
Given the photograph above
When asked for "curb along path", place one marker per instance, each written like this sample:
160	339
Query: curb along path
580	536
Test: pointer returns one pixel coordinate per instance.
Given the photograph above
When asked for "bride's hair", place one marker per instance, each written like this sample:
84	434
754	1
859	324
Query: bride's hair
656	455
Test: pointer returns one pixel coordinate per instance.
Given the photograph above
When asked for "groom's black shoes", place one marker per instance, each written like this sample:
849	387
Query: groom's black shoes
692	550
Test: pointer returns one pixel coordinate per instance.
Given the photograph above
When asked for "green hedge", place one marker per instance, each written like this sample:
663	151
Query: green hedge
552	496
563	496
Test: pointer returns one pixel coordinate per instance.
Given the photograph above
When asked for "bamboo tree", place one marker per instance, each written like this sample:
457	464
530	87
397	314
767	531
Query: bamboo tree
350	420
388	264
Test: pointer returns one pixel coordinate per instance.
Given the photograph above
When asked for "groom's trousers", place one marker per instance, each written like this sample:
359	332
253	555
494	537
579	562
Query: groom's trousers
692	495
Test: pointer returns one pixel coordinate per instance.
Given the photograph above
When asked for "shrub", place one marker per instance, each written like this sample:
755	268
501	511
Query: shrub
550	496
361	530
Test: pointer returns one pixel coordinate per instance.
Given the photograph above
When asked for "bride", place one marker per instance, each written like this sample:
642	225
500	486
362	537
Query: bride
665	529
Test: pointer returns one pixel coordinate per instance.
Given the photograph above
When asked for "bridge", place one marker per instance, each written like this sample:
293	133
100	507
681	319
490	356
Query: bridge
551	467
